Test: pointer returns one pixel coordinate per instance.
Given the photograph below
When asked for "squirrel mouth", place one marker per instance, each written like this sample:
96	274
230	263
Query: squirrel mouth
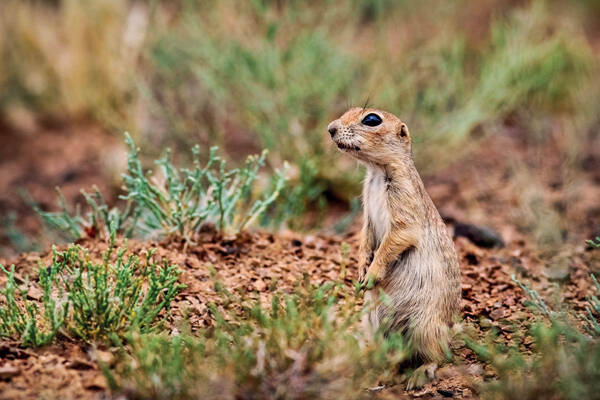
343	146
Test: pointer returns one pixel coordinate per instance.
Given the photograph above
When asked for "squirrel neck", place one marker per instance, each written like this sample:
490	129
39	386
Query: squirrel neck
398	173
400	181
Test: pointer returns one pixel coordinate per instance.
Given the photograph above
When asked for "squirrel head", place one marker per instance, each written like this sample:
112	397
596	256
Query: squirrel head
371	135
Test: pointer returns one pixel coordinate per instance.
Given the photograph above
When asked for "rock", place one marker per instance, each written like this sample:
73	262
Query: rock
376	389
481	236
497	314
103	356
486	323
7	371
259	285
474	369
34	293
80	364
448	371
559	268
555	272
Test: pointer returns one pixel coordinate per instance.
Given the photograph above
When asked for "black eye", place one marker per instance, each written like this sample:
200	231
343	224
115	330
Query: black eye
372	120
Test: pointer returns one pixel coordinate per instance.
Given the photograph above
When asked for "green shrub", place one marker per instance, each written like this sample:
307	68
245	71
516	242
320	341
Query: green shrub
22	319
88	299
70	224
175	201
180	201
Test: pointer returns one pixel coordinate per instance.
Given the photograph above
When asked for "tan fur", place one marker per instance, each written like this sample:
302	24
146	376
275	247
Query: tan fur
405	246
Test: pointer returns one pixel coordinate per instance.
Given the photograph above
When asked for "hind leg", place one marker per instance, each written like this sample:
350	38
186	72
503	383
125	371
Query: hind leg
421	376
430	342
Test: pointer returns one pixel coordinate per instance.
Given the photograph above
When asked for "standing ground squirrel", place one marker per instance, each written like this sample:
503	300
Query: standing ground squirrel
405	250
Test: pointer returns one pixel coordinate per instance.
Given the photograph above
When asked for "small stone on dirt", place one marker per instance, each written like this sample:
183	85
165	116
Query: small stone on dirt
7	371
557	272
497	314
80	364
96	383
259	285
34	293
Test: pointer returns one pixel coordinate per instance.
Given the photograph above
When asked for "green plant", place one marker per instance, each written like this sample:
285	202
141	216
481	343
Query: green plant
592	318
594	242
70	224
117	294
561	363
86	298
180	201
173	202
536	301
21	318
305	345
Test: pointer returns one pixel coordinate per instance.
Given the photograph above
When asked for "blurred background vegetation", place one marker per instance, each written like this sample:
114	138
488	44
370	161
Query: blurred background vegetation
272	74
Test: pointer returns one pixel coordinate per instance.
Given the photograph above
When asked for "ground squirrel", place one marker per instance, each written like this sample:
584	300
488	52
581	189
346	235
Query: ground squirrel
405	247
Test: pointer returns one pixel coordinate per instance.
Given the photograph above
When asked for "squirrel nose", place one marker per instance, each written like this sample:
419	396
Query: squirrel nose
332	130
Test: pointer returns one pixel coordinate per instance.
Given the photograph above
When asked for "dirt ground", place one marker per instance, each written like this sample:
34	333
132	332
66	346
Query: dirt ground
35	161
493	187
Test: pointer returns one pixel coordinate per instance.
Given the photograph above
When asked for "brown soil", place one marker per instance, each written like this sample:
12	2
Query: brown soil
489	188
33	162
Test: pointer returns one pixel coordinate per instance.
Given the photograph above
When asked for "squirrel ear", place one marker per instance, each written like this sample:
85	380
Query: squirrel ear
403	130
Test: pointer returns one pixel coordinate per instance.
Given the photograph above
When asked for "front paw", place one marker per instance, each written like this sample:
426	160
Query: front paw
362	273
369	278
364	264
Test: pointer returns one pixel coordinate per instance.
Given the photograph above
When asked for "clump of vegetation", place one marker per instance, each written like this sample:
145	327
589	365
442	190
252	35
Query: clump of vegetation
592	318
305	345
180	201
85	298
69	223
552	359
21	318
177	201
